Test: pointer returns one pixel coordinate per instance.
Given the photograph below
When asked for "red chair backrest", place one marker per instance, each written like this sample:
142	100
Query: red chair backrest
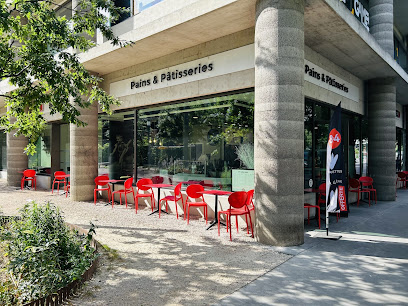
238	199
322	188
142	182
157	179
402	175
250	197
192	191
177	189
128	183
366	181
29	173
406	172
57	175
354	183
101	178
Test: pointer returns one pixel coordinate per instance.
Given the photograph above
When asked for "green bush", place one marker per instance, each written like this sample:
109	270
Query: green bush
44	254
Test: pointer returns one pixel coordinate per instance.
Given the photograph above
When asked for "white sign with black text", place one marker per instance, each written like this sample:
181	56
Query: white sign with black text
215	65
322	78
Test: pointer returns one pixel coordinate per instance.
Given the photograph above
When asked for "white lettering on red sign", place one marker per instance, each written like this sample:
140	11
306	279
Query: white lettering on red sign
342	199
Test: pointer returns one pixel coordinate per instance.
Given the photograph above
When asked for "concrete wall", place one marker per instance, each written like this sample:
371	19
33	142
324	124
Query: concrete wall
228	82
320	94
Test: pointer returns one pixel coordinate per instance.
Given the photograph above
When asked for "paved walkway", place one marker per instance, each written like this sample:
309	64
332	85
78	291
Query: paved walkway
367	266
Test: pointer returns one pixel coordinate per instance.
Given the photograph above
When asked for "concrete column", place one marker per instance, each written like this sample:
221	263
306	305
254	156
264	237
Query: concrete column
84	155
17	160
382	23
278	124
381	136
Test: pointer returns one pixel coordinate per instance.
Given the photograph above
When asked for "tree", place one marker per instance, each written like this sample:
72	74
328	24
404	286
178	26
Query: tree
39	58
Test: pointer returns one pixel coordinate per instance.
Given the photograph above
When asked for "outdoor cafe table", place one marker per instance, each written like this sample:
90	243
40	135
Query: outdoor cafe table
216	193
113	182
158	186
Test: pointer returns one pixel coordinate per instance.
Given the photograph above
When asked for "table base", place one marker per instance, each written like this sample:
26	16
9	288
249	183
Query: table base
157	210
214	222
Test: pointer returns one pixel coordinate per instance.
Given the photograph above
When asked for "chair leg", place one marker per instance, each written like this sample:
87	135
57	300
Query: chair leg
188	214
175	203
308	215
160	207
95	196
318	214
230	228
250	222
236	221
246	220
126	199
358	198
135	201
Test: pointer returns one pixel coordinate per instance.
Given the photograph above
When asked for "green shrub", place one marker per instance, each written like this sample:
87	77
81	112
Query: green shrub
44	254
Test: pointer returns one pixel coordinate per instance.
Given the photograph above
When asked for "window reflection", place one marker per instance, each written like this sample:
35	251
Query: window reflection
3	150
196	140
41	160
116	145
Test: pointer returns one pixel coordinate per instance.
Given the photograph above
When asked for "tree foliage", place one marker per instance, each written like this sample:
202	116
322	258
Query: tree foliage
39	58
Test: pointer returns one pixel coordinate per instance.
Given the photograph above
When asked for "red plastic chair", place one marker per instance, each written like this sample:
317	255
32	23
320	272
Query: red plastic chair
59	178
193	193
176	197
141	187
157	179
127	189
321	200
238	206
98	182
402	179
367	185
67	189
355	186
308	206
29	175
251	207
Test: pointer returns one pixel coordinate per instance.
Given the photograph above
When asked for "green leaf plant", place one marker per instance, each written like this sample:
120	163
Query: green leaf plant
43	254
39	58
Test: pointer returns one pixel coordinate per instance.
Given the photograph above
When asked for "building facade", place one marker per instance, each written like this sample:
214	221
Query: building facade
239	94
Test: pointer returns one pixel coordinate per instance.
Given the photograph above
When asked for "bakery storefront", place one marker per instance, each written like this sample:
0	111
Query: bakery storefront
209	139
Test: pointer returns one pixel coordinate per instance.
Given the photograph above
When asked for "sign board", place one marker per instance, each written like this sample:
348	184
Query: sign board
215	65
243	180
322	78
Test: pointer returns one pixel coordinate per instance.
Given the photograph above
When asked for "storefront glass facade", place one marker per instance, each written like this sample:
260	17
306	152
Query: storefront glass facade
41	160
200	140
317	121
3	151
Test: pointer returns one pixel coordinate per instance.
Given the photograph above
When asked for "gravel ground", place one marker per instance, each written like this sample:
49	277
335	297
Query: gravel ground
154	261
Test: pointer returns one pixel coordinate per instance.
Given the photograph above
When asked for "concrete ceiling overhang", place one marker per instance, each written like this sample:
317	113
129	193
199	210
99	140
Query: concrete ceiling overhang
332	31
189	26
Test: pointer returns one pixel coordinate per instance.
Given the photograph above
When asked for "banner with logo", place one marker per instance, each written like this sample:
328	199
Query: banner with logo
335	179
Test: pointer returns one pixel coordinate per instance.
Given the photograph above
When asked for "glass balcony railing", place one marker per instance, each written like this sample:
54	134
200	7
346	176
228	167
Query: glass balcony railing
145	4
